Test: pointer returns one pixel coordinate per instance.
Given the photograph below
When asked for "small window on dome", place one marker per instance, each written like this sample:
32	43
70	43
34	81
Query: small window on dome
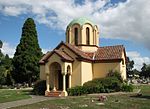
123	62
76	36
68	36
87	36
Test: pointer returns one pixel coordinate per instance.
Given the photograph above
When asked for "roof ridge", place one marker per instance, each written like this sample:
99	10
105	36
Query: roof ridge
67	54
111	46
62	54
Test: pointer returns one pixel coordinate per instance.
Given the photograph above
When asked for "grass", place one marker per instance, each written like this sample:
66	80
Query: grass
7	95
126	101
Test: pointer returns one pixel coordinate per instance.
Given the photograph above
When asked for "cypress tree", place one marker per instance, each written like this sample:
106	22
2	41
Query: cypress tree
27	55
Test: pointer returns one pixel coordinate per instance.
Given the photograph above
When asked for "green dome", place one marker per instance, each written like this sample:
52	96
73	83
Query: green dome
81	21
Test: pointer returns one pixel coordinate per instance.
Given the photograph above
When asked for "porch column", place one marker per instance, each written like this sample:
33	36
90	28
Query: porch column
47	80
54	89
64	92
69	80
64	82
47	83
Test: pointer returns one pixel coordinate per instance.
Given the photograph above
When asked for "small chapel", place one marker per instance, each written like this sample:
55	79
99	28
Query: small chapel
80	59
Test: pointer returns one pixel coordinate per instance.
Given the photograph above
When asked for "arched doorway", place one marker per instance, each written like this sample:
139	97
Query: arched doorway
56	78
67	77
67	81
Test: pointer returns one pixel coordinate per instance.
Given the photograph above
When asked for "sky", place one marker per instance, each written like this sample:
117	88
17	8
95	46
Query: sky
121	22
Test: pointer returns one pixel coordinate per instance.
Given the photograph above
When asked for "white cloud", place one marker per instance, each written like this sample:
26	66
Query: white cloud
129	20
138	59
8	49
46	50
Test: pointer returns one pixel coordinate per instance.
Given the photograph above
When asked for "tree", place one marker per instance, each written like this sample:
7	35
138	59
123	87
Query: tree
145	71
136	73
7	63
129	67
1	44
2	68
27	55
5	68
2	75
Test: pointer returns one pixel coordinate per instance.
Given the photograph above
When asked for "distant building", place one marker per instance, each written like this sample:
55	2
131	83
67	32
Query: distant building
80	59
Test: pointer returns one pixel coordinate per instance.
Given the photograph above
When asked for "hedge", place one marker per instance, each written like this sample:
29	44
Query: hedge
112	83
39	87
127	88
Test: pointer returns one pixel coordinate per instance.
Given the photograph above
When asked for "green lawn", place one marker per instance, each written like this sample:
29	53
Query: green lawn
7	95
127	101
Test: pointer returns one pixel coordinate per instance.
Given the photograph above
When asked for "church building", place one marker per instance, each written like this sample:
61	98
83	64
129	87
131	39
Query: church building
80	59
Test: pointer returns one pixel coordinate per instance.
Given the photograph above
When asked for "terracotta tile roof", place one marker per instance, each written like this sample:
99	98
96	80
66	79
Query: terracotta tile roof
78	51
90	54
109	52
102	53
64	56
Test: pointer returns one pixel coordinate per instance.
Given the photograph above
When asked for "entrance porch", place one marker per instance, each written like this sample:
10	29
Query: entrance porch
58	77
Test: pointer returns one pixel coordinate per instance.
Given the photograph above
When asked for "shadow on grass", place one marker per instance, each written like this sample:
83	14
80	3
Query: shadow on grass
141	96
28	92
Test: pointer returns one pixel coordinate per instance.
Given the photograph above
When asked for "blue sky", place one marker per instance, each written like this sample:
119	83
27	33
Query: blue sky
120	22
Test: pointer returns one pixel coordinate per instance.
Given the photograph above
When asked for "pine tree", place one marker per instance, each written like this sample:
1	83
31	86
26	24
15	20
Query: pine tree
27	55
1	44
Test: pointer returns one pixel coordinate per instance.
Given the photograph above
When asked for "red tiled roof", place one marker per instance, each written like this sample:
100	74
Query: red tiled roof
109	52
63	55
78	52
102	53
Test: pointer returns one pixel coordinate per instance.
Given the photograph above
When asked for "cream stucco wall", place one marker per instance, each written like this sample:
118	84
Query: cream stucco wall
42	72
93	40
88	48
83	32
76	74
82	72
86	72
71	38
102	69
76	68
52	71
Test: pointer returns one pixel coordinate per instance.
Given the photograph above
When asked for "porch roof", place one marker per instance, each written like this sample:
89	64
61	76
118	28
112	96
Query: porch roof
107	53
64	56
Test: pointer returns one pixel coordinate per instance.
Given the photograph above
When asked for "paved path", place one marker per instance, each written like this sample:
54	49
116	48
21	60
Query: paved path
32	100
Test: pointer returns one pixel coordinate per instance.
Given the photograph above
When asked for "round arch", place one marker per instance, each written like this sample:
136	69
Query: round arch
56	77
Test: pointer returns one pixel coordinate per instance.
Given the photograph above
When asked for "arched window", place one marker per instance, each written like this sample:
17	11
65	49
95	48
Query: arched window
68	36
76	36
95	37
87	36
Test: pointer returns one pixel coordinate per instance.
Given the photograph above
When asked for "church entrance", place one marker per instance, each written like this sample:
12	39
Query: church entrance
67	81
60	80
56	78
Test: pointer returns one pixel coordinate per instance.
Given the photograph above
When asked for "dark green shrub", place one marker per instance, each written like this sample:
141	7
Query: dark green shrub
108	84
115	74
94	86
76	91
111	84
39	87
127	88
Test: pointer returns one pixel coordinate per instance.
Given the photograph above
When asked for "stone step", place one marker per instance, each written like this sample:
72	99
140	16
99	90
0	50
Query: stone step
54	94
